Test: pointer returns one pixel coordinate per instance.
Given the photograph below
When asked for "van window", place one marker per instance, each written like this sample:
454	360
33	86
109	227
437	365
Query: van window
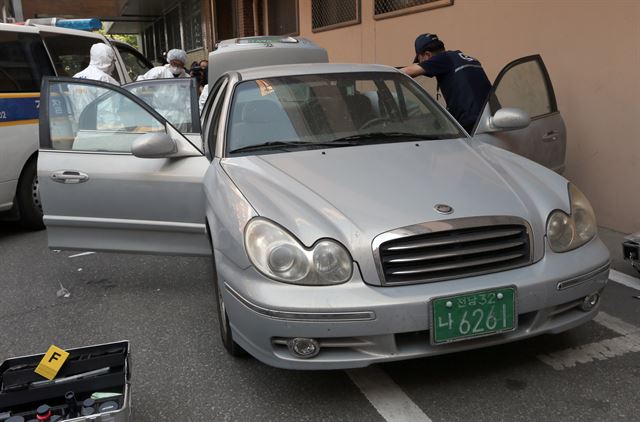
70	53
135	63
23	62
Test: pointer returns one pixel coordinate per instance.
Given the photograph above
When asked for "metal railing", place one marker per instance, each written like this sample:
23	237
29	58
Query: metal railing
330	14
389	8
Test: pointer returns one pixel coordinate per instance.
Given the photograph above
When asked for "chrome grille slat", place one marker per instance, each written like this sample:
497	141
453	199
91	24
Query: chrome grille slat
467	238
452	249
452	266
460	252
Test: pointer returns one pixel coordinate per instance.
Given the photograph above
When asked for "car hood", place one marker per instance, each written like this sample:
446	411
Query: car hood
355	193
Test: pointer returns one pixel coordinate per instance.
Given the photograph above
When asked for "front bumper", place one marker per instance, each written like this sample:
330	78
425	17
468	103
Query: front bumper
358	324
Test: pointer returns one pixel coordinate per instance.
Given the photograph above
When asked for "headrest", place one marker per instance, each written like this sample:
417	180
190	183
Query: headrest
262	111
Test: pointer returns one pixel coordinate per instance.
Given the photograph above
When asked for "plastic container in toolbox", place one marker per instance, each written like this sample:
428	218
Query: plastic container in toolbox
22	391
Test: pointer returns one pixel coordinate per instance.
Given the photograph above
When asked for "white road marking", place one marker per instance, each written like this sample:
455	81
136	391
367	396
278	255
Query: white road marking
624	279
616	324
388	399
81	254
627	342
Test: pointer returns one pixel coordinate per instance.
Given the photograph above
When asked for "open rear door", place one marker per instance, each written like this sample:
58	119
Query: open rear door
96	193
525	84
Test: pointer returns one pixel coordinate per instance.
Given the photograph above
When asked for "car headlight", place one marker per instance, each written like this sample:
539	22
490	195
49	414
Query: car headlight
279	255
567	232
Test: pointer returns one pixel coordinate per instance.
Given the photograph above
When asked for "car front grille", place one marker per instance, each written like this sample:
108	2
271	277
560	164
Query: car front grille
449	252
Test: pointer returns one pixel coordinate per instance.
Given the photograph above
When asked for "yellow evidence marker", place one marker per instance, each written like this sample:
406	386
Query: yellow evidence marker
52	362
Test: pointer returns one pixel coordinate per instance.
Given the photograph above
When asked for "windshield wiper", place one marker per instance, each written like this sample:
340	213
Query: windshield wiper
296	144
373	137
271	145
384	137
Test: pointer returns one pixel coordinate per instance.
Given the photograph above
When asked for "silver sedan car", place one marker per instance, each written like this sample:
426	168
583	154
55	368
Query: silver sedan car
349	217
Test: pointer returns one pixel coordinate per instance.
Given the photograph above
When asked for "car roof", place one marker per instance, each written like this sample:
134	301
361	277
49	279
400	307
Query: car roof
18	28
311	69
242	53
34	29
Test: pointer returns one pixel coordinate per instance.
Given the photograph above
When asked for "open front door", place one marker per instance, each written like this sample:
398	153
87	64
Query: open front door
96	193
525	84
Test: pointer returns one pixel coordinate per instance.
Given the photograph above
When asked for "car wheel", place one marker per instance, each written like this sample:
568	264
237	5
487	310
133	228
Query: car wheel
28	198
223	319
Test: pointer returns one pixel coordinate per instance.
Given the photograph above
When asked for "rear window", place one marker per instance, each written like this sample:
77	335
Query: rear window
23	62
70	54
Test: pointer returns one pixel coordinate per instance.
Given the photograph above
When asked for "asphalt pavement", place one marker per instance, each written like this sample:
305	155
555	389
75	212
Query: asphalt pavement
165	306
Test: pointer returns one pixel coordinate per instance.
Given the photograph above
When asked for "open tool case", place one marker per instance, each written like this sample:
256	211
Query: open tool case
100	371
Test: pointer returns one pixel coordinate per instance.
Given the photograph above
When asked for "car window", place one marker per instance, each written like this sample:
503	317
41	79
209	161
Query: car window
524	86
23	62
322	108
70	53
135	63
91	118
172	99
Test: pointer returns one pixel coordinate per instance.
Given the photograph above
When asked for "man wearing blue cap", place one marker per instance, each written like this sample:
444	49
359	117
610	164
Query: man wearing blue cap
461	78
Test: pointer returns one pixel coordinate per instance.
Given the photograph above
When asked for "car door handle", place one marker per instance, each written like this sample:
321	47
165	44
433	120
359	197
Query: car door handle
552	135
69	176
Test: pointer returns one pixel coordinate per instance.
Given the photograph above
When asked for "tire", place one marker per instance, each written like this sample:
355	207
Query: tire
28	197
223	319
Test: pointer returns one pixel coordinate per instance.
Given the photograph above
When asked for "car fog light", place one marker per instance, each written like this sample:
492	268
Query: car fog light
590	302
304	347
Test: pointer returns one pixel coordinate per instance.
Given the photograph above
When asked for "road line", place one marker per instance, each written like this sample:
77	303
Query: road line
388	399
81	254
624	279
628	342
616	324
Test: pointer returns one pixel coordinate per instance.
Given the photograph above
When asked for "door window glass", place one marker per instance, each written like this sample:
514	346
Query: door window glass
23	62
135	63
171	99
70	53
523	86
86	117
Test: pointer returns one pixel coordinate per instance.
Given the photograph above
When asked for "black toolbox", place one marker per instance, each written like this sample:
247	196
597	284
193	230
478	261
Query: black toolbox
101	371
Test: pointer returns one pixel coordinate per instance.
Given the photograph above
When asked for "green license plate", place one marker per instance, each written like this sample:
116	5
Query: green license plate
460	317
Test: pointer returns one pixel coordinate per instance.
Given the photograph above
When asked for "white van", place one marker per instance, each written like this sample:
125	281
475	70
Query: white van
27	53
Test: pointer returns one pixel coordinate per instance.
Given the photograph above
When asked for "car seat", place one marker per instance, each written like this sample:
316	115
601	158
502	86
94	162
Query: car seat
262	121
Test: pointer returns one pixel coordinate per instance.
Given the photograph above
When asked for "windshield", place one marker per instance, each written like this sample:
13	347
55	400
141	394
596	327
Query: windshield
296	112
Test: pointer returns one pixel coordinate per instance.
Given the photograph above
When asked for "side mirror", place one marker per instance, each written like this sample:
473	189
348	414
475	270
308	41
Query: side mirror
509	118
154	145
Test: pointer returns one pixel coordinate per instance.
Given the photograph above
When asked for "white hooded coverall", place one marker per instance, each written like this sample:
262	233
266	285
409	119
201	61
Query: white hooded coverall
168	71
101	65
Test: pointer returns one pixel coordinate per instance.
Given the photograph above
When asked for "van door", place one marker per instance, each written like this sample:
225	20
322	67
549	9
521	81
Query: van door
96	193
525	84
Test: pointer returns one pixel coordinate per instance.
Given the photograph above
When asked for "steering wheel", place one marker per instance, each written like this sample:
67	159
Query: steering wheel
374	121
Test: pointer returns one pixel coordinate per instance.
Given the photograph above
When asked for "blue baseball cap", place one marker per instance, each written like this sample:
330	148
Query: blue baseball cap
422	42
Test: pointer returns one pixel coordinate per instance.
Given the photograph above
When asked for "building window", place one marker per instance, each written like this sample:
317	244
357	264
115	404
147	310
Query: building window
160	40
174	40
389	8
149	49
282	17
192	24
330	14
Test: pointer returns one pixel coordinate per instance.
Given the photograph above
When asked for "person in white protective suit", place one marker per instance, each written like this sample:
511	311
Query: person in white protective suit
174	69
101	65
100	68
203	97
